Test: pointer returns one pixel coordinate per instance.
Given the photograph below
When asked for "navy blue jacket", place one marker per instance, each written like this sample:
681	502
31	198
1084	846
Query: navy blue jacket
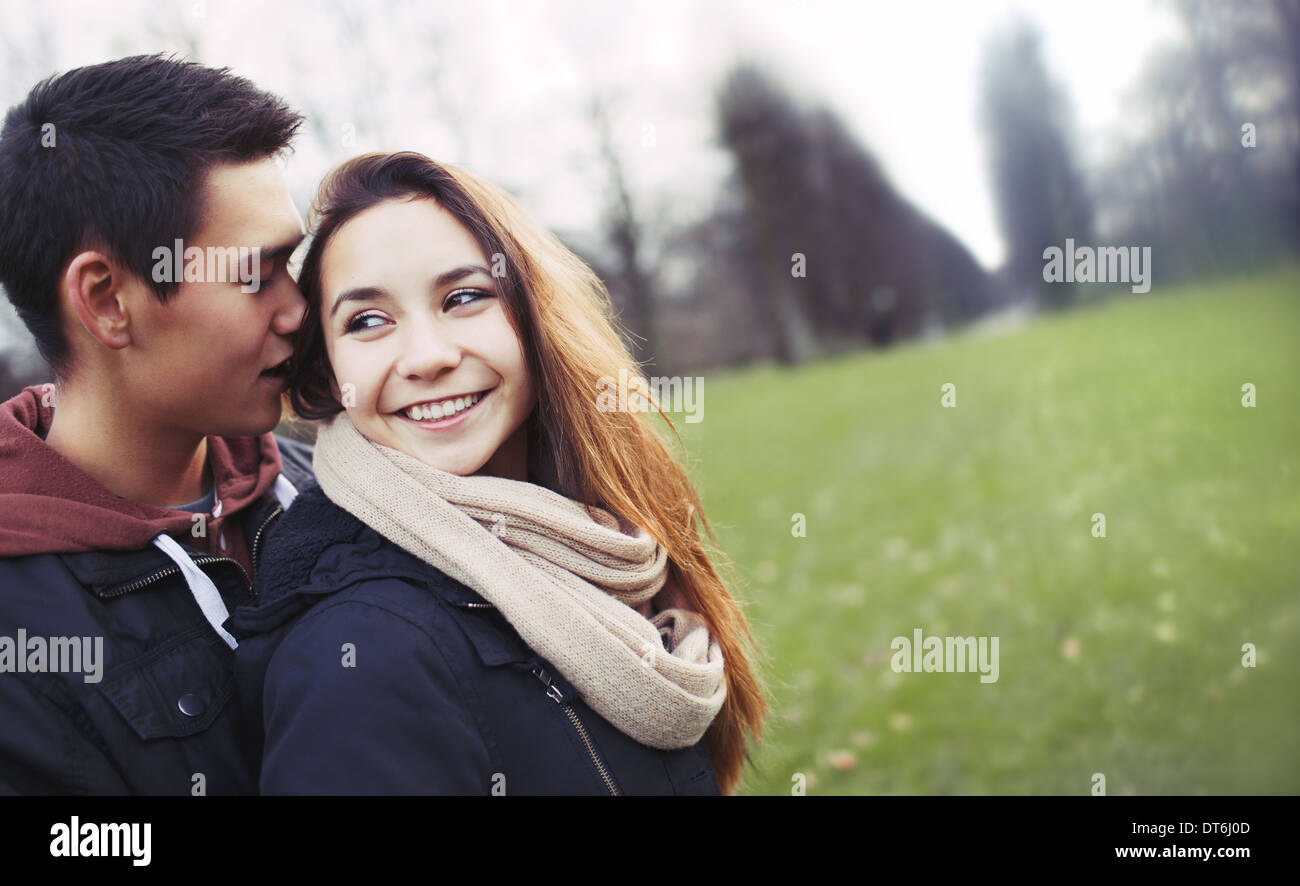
163	712
379	674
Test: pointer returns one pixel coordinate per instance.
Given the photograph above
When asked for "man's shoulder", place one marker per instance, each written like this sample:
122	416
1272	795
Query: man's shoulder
29	573
295	459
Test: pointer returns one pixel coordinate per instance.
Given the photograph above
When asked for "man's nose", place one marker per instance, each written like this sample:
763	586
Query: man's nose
289	314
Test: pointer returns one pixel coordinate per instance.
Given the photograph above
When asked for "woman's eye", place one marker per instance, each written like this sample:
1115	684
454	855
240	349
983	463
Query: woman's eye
472	295
359	322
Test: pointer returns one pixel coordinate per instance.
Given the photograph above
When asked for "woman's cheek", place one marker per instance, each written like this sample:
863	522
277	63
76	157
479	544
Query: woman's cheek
346	377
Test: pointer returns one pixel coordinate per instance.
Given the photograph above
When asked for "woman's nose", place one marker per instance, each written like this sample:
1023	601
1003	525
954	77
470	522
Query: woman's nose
426	352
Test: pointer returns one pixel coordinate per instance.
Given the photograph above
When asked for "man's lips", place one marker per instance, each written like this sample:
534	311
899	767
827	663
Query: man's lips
279	369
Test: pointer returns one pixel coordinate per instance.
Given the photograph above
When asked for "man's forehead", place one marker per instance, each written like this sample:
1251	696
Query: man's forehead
248	204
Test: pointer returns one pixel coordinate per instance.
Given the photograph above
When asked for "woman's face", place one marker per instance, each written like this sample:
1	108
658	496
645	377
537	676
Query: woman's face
415	332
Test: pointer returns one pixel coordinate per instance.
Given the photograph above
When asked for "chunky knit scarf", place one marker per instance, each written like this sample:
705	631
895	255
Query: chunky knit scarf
580	591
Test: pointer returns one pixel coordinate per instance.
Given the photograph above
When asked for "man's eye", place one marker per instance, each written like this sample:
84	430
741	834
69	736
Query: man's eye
359	322
472	295
265	276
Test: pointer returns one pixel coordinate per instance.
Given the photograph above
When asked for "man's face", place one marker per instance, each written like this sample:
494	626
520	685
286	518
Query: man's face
198	363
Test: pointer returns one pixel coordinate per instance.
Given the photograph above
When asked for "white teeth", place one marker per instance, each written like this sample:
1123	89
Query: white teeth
448	408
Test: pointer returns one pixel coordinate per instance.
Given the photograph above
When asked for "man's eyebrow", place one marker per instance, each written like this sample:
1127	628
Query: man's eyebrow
360	293
284	249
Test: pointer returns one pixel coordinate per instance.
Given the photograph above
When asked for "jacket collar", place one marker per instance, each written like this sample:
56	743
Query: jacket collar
108	573
303	571
289	582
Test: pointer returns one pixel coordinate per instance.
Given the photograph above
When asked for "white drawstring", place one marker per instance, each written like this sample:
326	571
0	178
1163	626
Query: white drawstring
284	491
204	591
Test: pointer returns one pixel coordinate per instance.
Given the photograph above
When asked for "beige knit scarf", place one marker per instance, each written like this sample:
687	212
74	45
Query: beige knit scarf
583	593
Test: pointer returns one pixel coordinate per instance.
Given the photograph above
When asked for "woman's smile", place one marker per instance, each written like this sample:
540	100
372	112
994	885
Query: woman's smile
438	415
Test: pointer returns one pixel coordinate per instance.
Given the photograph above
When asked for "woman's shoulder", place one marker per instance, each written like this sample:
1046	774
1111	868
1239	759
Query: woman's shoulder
390	618
295	542
358	691
317	554
317	543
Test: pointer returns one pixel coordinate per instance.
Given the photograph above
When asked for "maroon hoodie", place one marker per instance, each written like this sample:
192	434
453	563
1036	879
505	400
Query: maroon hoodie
49	506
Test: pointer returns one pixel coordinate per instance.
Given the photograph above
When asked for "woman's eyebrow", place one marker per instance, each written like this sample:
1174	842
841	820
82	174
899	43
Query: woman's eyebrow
446	278
360	293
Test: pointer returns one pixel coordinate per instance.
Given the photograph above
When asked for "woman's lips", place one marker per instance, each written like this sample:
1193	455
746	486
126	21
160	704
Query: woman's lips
442	423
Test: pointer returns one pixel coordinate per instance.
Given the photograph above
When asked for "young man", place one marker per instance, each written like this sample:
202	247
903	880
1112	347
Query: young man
146	232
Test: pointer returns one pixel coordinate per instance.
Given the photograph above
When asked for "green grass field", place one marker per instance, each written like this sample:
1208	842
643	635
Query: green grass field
1120	655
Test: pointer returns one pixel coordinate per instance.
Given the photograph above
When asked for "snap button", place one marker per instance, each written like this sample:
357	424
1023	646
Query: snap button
190	705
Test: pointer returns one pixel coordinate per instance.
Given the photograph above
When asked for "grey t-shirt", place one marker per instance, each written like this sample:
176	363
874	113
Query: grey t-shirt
205	505
202	506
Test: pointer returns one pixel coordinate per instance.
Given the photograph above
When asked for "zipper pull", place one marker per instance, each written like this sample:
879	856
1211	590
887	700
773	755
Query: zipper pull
551	689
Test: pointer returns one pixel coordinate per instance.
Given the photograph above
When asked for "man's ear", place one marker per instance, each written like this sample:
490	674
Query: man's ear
94	288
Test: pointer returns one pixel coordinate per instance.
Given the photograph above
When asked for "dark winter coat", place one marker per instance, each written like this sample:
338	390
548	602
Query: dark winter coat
162	718
377	673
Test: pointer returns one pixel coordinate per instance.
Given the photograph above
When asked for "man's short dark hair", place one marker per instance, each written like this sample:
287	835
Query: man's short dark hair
113	156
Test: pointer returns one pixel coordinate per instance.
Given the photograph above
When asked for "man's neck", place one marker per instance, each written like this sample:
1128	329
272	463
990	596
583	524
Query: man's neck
128	457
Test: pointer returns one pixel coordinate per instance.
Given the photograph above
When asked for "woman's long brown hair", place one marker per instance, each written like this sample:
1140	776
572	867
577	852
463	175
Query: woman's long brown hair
564	318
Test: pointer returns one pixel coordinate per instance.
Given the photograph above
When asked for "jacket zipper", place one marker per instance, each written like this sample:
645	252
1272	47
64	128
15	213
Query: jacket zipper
557	695
204	559
200	560
257	540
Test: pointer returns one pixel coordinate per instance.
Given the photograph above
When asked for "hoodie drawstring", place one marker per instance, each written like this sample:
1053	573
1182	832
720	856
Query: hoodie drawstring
284	491
204	591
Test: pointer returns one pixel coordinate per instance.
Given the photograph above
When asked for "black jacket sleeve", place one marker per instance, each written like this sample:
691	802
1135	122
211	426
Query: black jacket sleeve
47	743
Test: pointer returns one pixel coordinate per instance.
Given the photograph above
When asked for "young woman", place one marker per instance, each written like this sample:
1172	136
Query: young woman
498	586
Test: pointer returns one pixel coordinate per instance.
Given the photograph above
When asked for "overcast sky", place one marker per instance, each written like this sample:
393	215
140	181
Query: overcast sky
513	77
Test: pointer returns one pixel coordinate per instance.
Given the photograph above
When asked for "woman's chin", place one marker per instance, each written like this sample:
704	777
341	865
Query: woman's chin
458	466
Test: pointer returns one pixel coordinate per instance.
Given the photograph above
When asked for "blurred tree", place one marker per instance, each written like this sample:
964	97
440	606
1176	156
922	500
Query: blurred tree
1209	174
1039	191
887	269
711	318
762	128
26	56
840	256
20	364
631	283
